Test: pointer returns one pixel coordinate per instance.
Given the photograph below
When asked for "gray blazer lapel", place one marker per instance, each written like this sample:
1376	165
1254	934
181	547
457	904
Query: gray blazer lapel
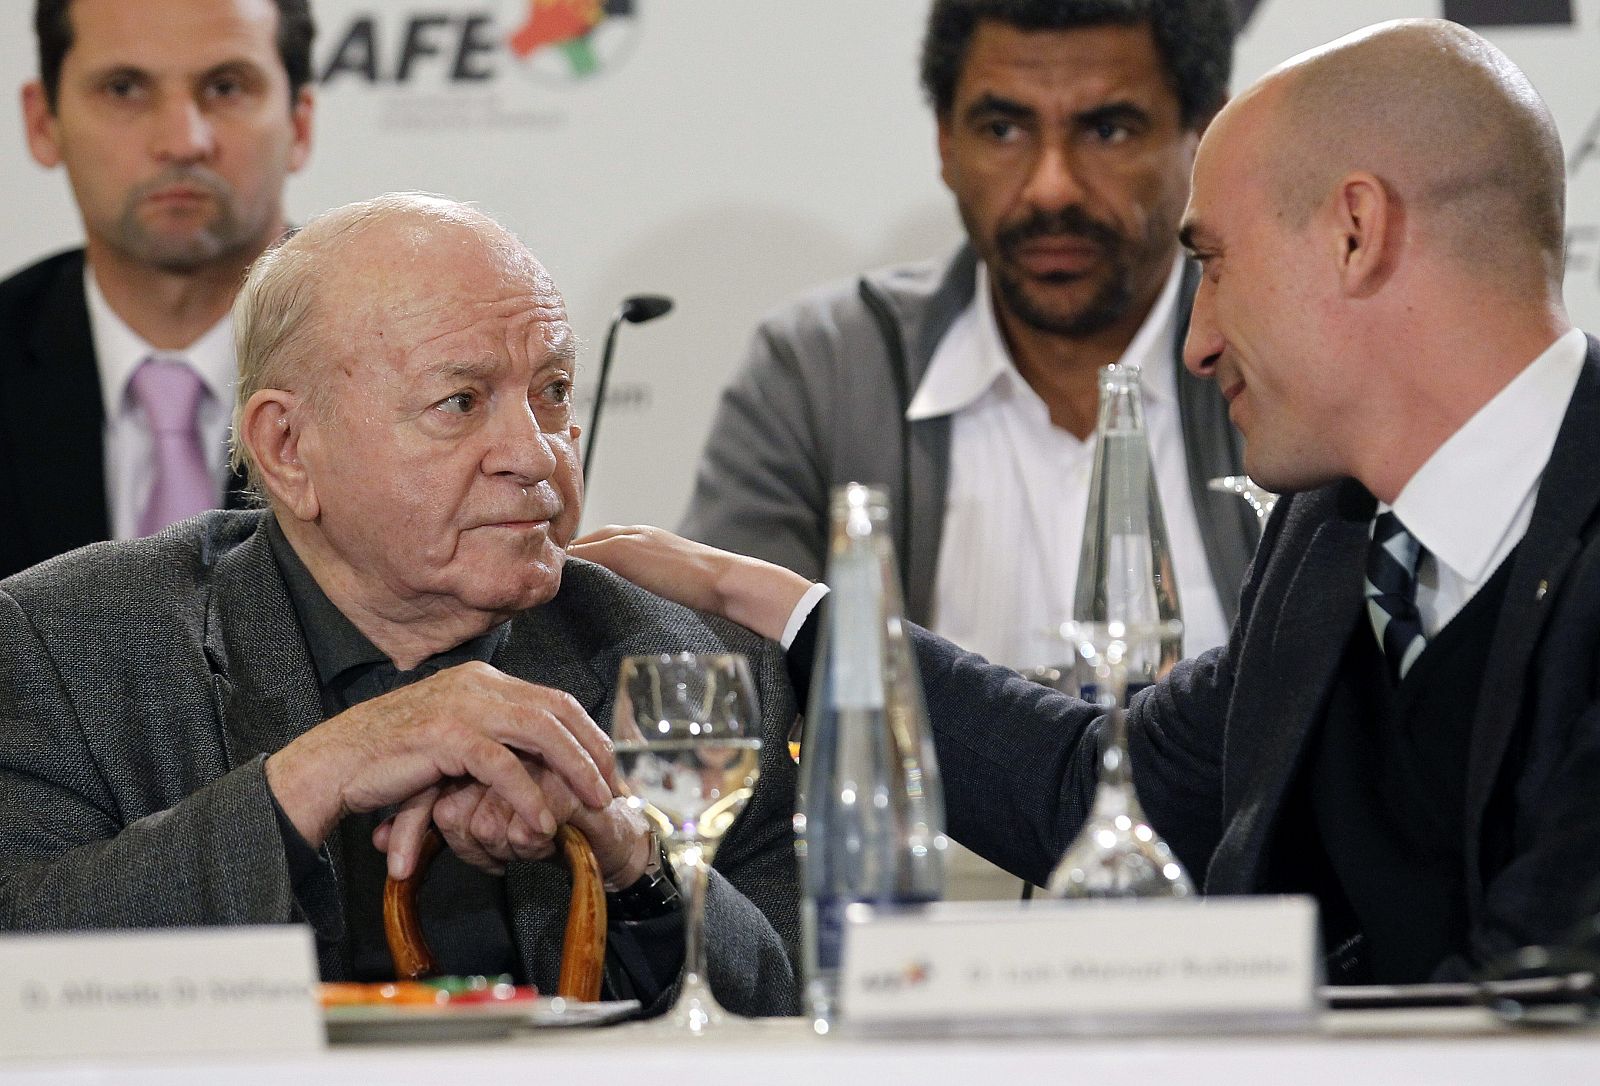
543	647
927	446
1280	695
266	694
928	475
1569	493
261	671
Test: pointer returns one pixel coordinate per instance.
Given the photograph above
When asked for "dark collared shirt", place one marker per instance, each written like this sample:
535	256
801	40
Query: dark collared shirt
463	909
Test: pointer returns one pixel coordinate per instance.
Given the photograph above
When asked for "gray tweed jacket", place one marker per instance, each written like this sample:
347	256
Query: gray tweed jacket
820	401
142	685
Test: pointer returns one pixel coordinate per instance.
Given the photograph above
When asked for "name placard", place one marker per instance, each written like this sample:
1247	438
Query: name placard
158	992
1083	966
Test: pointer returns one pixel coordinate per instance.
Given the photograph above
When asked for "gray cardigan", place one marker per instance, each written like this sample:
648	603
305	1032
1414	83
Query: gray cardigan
821	398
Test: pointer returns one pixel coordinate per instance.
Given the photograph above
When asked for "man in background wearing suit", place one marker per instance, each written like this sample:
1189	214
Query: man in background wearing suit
226	723
969	386
178	122
1404	722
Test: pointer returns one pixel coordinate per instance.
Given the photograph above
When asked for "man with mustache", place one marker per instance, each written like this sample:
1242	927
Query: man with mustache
1066	131
178	123
253	717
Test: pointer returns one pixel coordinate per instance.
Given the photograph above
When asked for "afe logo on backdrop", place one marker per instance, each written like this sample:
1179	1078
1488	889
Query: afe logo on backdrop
552	41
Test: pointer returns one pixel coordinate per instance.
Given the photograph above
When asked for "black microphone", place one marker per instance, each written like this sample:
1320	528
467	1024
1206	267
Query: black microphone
635	310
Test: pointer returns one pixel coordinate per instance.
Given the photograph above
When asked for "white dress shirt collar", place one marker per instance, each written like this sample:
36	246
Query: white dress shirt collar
1465	500
119	351
1470	504
972	355
1017	491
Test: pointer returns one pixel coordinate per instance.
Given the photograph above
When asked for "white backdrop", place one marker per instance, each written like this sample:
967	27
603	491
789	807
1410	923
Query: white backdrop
726	152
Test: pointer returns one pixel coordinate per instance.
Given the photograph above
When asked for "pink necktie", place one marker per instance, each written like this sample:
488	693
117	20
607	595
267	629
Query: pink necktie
170	392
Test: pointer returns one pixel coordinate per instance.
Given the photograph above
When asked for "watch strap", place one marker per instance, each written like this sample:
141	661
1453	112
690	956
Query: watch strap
654	893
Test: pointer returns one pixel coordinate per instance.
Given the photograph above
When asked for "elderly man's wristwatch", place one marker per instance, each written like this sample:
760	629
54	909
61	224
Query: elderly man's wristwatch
652	894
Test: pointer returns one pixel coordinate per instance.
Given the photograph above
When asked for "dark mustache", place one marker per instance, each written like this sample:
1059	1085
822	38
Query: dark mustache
1068	222
192	176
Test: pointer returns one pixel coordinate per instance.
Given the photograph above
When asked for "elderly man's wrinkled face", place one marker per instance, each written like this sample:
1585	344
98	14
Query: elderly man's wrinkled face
444	457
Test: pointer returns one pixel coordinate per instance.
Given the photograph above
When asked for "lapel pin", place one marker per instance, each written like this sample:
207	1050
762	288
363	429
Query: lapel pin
1538	593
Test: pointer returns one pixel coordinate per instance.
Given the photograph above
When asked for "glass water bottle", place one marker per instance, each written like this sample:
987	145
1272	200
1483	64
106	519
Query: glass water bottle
1126	633
871	821
1125	570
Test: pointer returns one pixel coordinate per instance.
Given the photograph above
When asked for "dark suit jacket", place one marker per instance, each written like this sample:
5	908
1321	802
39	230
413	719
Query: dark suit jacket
1216	746
142	684
52	454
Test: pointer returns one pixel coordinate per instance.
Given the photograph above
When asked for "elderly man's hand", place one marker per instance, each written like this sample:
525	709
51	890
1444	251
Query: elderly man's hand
757	595
482	828
467	723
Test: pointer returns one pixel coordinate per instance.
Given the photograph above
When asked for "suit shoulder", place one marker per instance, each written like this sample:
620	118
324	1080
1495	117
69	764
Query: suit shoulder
836	308
619	612
22	291
137	576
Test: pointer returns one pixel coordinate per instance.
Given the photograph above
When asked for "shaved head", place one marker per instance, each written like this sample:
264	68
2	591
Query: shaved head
1446	121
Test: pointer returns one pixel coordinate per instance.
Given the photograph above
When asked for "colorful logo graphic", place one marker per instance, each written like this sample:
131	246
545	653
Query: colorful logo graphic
912	974
570	40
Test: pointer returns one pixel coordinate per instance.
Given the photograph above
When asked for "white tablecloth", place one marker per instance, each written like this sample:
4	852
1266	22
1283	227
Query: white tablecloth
1375	1049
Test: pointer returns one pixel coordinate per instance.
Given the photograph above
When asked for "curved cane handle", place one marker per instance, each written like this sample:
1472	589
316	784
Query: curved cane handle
583	948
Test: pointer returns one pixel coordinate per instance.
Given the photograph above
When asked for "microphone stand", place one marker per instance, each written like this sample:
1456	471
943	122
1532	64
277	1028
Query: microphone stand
635	309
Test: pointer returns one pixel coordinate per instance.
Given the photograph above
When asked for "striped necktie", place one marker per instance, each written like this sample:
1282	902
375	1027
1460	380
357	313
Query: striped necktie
1391	591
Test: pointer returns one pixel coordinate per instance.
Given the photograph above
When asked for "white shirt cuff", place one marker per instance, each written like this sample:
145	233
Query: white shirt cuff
801	612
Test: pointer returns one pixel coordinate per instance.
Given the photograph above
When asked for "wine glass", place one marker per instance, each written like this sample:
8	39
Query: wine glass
687	732
1260	499
1118	853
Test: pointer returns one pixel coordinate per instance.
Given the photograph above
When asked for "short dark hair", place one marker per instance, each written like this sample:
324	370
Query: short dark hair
52	25
1194	38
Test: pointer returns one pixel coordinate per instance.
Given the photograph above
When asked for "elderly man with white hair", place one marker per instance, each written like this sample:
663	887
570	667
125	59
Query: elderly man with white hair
234	721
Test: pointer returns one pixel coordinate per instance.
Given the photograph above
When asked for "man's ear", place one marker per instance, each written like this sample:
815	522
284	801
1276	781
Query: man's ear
40	125
278	429
301	117
1367	221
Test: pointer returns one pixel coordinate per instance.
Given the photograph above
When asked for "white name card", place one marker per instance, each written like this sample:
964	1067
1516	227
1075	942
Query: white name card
1083	966
158	992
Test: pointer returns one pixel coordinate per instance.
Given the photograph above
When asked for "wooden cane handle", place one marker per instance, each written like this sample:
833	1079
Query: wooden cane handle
583	947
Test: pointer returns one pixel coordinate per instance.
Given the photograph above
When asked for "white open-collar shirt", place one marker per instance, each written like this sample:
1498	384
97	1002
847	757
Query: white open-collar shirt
1019	491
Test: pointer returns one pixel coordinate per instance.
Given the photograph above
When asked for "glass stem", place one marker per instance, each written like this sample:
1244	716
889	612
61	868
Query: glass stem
694	864
1114	768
